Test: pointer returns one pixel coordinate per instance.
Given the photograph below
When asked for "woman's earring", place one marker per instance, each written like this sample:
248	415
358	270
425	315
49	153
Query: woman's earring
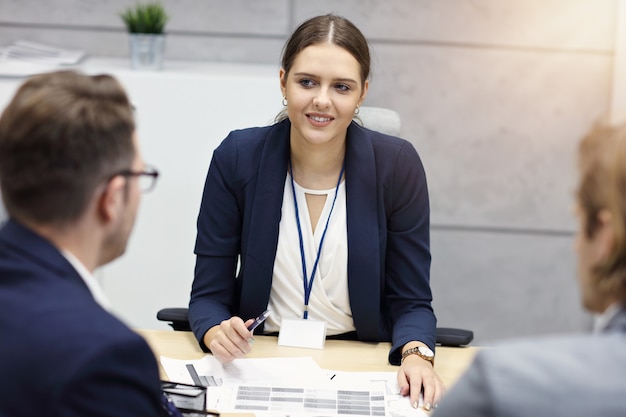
284	101
356	111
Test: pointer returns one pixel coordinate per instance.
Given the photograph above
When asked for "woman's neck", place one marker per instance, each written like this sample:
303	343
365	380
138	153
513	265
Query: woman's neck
317	168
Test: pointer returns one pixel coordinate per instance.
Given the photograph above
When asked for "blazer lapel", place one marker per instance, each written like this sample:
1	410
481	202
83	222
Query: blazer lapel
264	222
363	234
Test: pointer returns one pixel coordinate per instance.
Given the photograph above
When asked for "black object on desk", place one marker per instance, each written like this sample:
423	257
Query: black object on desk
184	400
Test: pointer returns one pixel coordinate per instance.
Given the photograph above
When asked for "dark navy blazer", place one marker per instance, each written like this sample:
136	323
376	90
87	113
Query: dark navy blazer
388	234
61	354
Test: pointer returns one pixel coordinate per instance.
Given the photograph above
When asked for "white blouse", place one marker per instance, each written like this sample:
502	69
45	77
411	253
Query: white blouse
329	300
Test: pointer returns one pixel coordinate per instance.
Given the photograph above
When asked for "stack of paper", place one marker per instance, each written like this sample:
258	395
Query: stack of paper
25	58
45	54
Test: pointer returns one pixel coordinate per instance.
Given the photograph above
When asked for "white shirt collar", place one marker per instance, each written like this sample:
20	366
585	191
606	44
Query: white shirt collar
89	279
603	320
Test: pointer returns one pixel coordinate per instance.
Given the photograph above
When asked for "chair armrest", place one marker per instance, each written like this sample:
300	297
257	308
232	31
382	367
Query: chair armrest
448	336
177	317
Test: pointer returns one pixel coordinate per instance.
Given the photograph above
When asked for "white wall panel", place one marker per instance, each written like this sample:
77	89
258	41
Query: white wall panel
209	16
505	286
562	24
497	129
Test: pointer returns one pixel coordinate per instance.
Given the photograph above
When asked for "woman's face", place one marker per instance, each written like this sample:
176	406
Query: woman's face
323	89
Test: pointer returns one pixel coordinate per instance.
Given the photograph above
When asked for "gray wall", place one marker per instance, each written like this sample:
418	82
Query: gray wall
494	95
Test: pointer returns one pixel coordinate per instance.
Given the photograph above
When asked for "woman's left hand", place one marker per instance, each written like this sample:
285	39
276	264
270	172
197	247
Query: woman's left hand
415	373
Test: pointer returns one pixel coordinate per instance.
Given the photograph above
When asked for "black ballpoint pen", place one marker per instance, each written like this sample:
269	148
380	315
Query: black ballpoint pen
259	320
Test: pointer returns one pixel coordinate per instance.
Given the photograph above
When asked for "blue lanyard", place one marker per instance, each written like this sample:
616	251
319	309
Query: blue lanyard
308	284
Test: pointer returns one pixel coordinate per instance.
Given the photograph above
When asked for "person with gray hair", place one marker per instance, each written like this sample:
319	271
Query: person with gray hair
568	375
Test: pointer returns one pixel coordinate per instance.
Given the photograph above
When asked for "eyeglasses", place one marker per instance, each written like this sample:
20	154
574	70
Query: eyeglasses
147	178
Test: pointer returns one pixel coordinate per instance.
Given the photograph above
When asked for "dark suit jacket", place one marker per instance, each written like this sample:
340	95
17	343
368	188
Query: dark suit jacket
388	233
573	375
61	354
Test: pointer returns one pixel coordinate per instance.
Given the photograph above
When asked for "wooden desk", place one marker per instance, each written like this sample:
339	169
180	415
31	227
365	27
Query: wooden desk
339	355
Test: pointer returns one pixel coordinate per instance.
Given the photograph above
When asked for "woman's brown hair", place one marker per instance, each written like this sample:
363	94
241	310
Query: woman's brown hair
329	28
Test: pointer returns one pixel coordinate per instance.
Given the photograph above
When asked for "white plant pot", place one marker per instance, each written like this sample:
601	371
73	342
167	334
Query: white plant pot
146	51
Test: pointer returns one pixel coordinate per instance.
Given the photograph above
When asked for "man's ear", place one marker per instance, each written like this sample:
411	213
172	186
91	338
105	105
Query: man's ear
111	199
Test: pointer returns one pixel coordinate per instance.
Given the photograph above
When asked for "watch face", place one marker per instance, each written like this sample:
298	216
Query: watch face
426	351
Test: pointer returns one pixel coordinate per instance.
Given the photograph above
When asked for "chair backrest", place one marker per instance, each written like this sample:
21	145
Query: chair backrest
380	119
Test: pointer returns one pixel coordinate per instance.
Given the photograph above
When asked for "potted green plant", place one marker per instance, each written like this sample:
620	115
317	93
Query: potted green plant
146	24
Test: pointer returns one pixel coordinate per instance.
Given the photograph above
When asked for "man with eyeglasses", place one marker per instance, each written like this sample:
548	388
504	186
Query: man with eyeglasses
70	172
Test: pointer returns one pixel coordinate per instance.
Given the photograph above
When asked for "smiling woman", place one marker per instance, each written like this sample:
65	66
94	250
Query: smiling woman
328	220
322	101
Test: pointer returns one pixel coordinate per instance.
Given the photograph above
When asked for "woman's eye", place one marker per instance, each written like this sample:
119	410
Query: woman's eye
307	83
342	88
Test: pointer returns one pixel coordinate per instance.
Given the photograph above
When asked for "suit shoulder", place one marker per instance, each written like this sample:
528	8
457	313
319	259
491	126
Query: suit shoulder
241	153
543	363
246	139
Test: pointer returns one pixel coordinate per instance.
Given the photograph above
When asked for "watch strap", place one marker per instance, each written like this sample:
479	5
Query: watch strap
416	351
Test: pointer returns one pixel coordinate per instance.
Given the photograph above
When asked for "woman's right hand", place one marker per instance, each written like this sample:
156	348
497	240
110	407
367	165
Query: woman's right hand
230	339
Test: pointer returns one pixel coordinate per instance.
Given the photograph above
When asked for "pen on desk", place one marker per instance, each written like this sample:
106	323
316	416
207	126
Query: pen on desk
334	375
257	322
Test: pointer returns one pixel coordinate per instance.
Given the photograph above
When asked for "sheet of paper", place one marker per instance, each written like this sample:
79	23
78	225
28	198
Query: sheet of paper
281	387
364	399
24	58
396	405
38	52
211	373
208	371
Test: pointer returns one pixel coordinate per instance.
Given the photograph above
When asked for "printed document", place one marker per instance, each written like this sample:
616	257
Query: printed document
291	387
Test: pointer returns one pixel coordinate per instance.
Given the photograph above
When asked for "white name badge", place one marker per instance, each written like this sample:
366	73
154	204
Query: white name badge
302	333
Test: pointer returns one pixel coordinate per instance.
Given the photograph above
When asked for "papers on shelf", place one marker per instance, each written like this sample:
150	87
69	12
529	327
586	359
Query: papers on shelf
25	58
290	386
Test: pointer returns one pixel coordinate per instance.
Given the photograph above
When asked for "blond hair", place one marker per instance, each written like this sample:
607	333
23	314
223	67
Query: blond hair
602	188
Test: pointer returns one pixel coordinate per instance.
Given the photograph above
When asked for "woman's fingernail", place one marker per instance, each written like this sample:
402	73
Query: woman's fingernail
427	407
251	341
415	404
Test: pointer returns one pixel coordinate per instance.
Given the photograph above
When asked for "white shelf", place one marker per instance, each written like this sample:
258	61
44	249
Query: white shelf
183	113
